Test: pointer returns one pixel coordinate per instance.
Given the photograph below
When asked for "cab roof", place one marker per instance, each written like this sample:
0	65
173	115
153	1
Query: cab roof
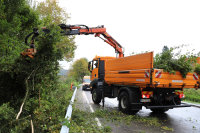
104	57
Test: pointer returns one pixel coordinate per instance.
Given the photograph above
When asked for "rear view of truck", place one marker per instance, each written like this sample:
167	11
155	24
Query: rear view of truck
136	83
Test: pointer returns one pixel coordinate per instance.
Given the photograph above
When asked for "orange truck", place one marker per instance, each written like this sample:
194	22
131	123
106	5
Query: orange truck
136	83
132	80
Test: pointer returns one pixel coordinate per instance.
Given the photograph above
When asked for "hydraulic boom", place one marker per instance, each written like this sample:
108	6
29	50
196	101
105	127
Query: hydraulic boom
97	31
67	30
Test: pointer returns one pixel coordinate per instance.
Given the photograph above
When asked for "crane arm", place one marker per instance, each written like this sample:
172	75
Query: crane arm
97	31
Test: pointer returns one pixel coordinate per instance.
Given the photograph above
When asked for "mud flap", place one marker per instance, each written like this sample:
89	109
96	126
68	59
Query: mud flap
136	106
101	88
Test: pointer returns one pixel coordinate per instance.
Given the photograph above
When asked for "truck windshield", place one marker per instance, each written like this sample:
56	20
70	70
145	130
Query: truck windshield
86	80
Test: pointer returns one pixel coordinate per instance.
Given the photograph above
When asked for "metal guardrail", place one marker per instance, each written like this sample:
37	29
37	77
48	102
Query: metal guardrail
64	128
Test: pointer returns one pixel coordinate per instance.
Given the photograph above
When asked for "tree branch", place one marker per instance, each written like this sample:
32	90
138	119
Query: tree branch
27	91
32	127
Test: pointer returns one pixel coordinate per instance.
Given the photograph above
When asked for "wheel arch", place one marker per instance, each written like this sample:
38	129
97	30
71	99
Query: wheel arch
130	92
127	90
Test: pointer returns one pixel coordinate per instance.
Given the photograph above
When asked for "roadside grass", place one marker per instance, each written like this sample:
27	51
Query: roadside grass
48	112
167	128
192	95
84	122
118	117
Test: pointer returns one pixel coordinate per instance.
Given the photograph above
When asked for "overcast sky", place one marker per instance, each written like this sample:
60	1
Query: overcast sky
138	25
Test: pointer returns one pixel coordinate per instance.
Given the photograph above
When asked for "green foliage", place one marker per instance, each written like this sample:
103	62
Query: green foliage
67	46
167	128
47	112
16	20
192	95
46	98
197	69
79	69
119	117
85	121
171	62
6	113
51	13
116	116
50	114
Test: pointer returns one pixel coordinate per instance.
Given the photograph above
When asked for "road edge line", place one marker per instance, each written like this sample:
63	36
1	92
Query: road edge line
92	110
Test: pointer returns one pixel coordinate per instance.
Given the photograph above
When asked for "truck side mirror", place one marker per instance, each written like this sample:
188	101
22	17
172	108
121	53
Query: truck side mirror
89	66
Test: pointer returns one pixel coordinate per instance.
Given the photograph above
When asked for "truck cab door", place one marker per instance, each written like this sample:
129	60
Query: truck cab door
95	66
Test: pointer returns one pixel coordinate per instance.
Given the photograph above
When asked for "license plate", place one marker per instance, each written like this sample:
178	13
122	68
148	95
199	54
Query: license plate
145	100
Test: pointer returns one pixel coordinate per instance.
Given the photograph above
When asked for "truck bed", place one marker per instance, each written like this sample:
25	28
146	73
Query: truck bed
137	70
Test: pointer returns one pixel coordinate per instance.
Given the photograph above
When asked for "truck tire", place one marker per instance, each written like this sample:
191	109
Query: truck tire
124	102
96	96
160	111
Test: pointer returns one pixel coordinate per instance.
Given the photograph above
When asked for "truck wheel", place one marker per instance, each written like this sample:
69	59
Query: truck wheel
96	96
163	110
124	103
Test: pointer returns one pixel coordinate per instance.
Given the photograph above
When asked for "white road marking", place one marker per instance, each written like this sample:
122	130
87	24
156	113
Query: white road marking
92	110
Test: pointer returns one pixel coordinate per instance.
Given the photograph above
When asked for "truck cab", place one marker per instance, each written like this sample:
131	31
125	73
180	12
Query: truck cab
97	67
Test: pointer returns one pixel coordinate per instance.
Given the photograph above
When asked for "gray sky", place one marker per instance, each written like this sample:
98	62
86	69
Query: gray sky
138	25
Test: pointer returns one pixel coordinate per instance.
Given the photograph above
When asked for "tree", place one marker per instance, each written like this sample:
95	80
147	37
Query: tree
26	84
51	13
79	69
16	20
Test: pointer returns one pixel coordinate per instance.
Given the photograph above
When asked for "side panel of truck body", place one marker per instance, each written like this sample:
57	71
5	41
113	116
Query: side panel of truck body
129	70
163	79
137	70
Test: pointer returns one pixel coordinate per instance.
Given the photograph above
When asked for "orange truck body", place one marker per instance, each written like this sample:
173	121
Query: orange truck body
137	70
136	83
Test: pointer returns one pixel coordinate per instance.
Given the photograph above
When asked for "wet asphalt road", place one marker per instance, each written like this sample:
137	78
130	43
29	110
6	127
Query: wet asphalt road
182	120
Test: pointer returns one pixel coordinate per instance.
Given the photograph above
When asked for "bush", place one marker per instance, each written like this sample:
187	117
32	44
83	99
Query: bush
171	62
192	95
197	69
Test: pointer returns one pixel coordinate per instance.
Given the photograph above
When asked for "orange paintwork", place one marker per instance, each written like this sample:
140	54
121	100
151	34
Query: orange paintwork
129	70
174	80
94	74
93	30
30	52
137	70
103	58
97	31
